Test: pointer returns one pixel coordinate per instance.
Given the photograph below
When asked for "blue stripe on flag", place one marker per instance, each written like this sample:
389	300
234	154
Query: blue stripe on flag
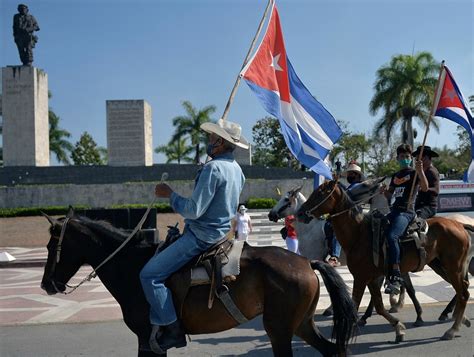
312	106
271	103
455	117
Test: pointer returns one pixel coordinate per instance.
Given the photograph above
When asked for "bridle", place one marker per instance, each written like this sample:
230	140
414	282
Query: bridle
93	274
353	203
308	212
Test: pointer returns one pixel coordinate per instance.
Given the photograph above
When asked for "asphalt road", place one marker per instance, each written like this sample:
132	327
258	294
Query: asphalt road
114	339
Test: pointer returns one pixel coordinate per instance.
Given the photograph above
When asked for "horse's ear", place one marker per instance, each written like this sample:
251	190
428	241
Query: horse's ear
70	212
278	191
50	219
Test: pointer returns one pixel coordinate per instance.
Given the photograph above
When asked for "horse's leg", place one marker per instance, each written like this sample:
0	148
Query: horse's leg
448	309
310	333
358	289
411	293
397	302
280	338
462	296
378	303
370	307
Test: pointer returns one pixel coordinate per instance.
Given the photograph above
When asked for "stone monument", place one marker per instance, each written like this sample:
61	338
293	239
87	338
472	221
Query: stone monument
243	156
25	116
129	136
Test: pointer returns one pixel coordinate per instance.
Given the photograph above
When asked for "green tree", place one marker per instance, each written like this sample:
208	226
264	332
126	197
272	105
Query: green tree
404	90
269	145
86	152
176	150
58	143
351	147
188	126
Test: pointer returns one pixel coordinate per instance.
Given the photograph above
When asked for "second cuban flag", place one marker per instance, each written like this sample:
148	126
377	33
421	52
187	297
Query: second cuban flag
310	131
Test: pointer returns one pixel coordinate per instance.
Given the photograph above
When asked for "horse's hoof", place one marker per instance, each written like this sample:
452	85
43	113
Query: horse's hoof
361	322
418	323
466	322
442	317
393	309
399	338
448	335
328	311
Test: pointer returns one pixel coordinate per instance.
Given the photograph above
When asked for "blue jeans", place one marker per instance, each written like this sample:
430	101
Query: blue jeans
331	237
399	222
160	267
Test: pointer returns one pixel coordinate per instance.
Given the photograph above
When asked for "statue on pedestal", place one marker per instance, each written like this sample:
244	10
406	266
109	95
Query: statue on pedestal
24	26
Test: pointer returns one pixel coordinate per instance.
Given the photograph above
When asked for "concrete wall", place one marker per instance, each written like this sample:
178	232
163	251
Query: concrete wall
102	195
84	175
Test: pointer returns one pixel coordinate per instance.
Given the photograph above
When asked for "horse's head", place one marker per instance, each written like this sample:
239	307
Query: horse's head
323	200
287	205
64	257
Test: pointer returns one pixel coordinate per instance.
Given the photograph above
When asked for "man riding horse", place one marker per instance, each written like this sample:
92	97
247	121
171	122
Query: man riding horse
208	214
401	212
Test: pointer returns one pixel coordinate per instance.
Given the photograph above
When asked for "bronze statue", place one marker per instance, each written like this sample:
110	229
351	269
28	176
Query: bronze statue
24	26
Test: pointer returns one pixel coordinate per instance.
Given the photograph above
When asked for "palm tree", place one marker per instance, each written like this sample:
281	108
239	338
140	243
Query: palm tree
57	138
177	150
189	126
404	90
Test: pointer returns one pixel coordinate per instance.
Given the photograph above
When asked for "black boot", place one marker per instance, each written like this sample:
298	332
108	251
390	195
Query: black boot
170	336
394	283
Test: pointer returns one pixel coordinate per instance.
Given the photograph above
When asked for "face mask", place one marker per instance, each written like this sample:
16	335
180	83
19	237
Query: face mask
404	163
210	148
351	179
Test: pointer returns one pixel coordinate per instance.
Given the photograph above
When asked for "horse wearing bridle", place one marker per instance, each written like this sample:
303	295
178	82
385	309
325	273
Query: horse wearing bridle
285	294
447	247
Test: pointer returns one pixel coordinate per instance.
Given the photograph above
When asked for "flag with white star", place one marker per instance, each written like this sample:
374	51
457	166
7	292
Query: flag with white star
451	104
310	131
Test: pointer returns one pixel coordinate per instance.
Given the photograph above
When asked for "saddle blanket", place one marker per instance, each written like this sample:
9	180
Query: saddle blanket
199	274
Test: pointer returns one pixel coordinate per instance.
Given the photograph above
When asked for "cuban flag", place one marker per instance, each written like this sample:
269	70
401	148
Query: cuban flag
451	104
310	131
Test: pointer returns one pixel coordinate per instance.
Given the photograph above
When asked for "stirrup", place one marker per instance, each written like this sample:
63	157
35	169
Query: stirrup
156	332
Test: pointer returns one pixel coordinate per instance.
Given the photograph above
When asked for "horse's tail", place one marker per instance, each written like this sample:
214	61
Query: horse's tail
345	314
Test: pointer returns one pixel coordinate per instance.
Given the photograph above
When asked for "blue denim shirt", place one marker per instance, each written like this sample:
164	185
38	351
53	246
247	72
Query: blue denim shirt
213	203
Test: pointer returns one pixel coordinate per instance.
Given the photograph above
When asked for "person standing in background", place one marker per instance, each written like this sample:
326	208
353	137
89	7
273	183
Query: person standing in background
291	237
242	224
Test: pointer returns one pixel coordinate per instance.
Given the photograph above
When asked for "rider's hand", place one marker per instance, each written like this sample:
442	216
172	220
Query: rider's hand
163	190
419	166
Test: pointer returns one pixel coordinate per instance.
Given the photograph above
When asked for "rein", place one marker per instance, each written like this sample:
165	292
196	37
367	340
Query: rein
354	203
93	274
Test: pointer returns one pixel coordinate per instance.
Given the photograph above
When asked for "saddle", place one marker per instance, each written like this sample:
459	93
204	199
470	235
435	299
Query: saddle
206	269
415	232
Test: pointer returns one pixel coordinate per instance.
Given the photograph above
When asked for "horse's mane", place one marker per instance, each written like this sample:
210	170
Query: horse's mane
101	230
355	211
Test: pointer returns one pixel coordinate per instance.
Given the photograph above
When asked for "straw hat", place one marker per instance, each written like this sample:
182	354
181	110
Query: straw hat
228	131
355	168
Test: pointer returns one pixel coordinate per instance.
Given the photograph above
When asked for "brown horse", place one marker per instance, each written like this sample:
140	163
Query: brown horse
274	282
447	248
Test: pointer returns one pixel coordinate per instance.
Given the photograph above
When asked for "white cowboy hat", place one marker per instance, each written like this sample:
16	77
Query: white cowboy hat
242	208
355	168
228	131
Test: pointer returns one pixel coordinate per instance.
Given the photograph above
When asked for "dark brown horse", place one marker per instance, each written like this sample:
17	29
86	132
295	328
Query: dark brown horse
447	247
278	284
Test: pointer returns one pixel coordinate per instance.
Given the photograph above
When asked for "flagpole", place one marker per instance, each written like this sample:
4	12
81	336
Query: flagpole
237	82
432	113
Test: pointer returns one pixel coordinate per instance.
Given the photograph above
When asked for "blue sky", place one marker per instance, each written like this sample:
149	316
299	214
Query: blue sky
169	51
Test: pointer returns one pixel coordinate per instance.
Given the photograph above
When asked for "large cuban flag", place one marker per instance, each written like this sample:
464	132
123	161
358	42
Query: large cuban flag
310	131
451	104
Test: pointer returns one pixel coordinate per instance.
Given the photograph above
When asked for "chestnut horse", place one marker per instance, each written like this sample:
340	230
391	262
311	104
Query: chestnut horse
447	247
278	284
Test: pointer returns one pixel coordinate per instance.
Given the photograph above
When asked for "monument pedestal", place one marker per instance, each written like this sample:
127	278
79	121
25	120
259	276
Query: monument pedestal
25	116
129	136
